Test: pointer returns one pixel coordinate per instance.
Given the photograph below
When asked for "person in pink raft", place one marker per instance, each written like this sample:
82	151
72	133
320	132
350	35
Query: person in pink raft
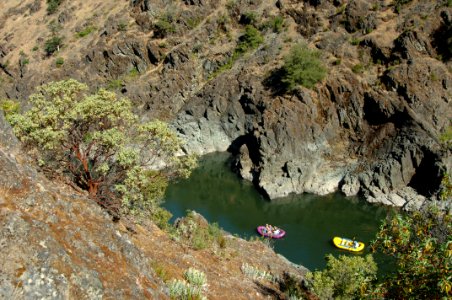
271	231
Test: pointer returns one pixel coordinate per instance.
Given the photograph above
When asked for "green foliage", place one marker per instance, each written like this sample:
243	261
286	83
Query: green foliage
199	234
35	48
302	67
59	61
96	141
53	44
122	26
52	6
446	188
114	84
191	288
255	273
358	68
134	72
277	24
421	243
251	39
355	41
85	31
9	107
398	4
164	26
193	22
161	217
446	137
344	277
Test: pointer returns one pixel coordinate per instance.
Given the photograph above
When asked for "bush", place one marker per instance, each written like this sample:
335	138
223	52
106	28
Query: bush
53	44
85	31
421	243
358	68
59	61
199	233
302	67
164	26
251	39
9	107
191	288
97	142
122	26
52	6
344	278
277	24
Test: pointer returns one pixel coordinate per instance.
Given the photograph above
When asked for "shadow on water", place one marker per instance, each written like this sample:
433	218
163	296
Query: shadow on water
309	220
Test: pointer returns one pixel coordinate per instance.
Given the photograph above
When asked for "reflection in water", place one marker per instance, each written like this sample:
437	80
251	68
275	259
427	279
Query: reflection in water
310	221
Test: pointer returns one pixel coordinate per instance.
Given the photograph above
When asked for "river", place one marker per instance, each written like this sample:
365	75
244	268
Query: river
309	220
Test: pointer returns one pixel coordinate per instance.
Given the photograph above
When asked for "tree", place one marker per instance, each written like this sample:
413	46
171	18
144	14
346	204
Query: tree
344	277
302	67
96	141
421	243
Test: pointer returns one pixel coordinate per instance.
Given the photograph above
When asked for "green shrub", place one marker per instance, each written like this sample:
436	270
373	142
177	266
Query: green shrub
161	217
355	41
35	48
96	141
164	26
85	31
191	288
193	22
277	24
53	44
421	243
251	39
122	26
358	68
114	84
254	273
195	278
59	61
199	234
344	277
134	72
52	6
302	67
9	107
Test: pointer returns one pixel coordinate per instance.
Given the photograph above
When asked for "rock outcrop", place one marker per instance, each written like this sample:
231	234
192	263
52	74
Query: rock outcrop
371	127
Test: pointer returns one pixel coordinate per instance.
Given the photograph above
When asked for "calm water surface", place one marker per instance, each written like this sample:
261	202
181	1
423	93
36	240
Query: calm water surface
310	221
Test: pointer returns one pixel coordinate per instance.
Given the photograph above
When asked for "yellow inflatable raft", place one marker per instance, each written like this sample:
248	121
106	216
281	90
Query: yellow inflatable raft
348	244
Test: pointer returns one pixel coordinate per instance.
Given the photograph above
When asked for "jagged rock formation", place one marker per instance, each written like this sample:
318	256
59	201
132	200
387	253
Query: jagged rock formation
370	128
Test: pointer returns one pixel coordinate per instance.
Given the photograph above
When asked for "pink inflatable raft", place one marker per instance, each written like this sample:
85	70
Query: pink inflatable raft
271	232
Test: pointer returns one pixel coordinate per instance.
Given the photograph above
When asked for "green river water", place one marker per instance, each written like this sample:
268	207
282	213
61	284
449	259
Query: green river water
310	221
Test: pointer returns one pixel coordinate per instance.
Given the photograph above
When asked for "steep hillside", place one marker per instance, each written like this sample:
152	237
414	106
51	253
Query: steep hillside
371	127
57	243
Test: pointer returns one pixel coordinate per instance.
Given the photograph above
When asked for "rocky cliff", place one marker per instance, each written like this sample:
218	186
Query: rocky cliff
57	243
371	127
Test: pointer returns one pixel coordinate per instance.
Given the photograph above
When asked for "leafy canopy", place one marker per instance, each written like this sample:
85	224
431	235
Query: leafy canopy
421	243
344	277
302	66
97	142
